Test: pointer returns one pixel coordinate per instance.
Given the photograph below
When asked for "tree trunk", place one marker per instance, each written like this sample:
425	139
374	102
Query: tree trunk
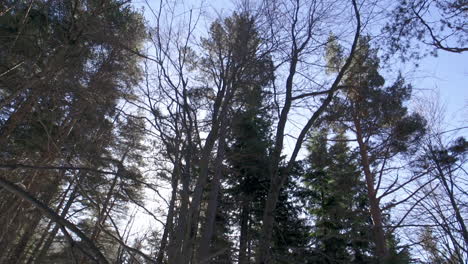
53	233
90	246
194	209
244	231
264	256
177	237
175	245
11	216
376	214
18	252
170	215
46	231
277	179
205	241
40	243
106	208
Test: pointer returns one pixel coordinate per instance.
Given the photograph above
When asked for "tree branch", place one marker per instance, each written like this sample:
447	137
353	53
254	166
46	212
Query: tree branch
12	188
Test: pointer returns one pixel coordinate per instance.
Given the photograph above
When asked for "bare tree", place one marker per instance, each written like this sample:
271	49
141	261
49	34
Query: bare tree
298	22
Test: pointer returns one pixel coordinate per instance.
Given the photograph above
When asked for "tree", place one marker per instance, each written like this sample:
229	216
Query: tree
337	201
60	86
298	23
248	70
211	90
440	24
247	156
291	234
381	124
444	235
104	119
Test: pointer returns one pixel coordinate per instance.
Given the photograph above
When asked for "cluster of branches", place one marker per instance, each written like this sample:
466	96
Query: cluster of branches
69	159
101	111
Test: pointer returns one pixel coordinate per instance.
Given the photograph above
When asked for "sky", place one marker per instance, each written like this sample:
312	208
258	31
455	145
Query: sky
446	74
444	77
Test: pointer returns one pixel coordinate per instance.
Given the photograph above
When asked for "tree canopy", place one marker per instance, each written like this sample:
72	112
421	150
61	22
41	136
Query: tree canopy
275	133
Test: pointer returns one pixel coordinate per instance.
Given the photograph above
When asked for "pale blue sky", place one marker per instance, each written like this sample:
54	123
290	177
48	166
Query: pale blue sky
445	76
447	73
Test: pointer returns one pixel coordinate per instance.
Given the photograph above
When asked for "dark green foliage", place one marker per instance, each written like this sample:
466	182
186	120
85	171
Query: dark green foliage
248	158
381	110
397	254
292	231
65	66
234	60
380	122
234	71
337	202
249	179
449	155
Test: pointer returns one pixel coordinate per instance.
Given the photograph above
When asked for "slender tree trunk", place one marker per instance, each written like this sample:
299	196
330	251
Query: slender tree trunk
34	182
205	241
453	202
275	186
17	254
53	233
278	178
376	214
170	215
90	246
175	245
46	231
176	238
194	213
264	256
194	209
244	230
40	243
11	216
105	209
19	250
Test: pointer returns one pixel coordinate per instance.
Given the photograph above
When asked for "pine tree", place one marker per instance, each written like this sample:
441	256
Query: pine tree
379	120
61	82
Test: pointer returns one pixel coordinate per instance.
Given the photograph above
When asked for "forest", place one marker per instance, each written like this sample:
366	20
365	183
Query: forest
247	132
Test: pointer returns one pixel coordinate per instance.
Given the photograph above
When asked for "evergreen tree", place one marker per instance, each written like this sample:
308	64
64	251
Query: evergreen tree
248	157
242	69
380	122
291	234
337	201
65	65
